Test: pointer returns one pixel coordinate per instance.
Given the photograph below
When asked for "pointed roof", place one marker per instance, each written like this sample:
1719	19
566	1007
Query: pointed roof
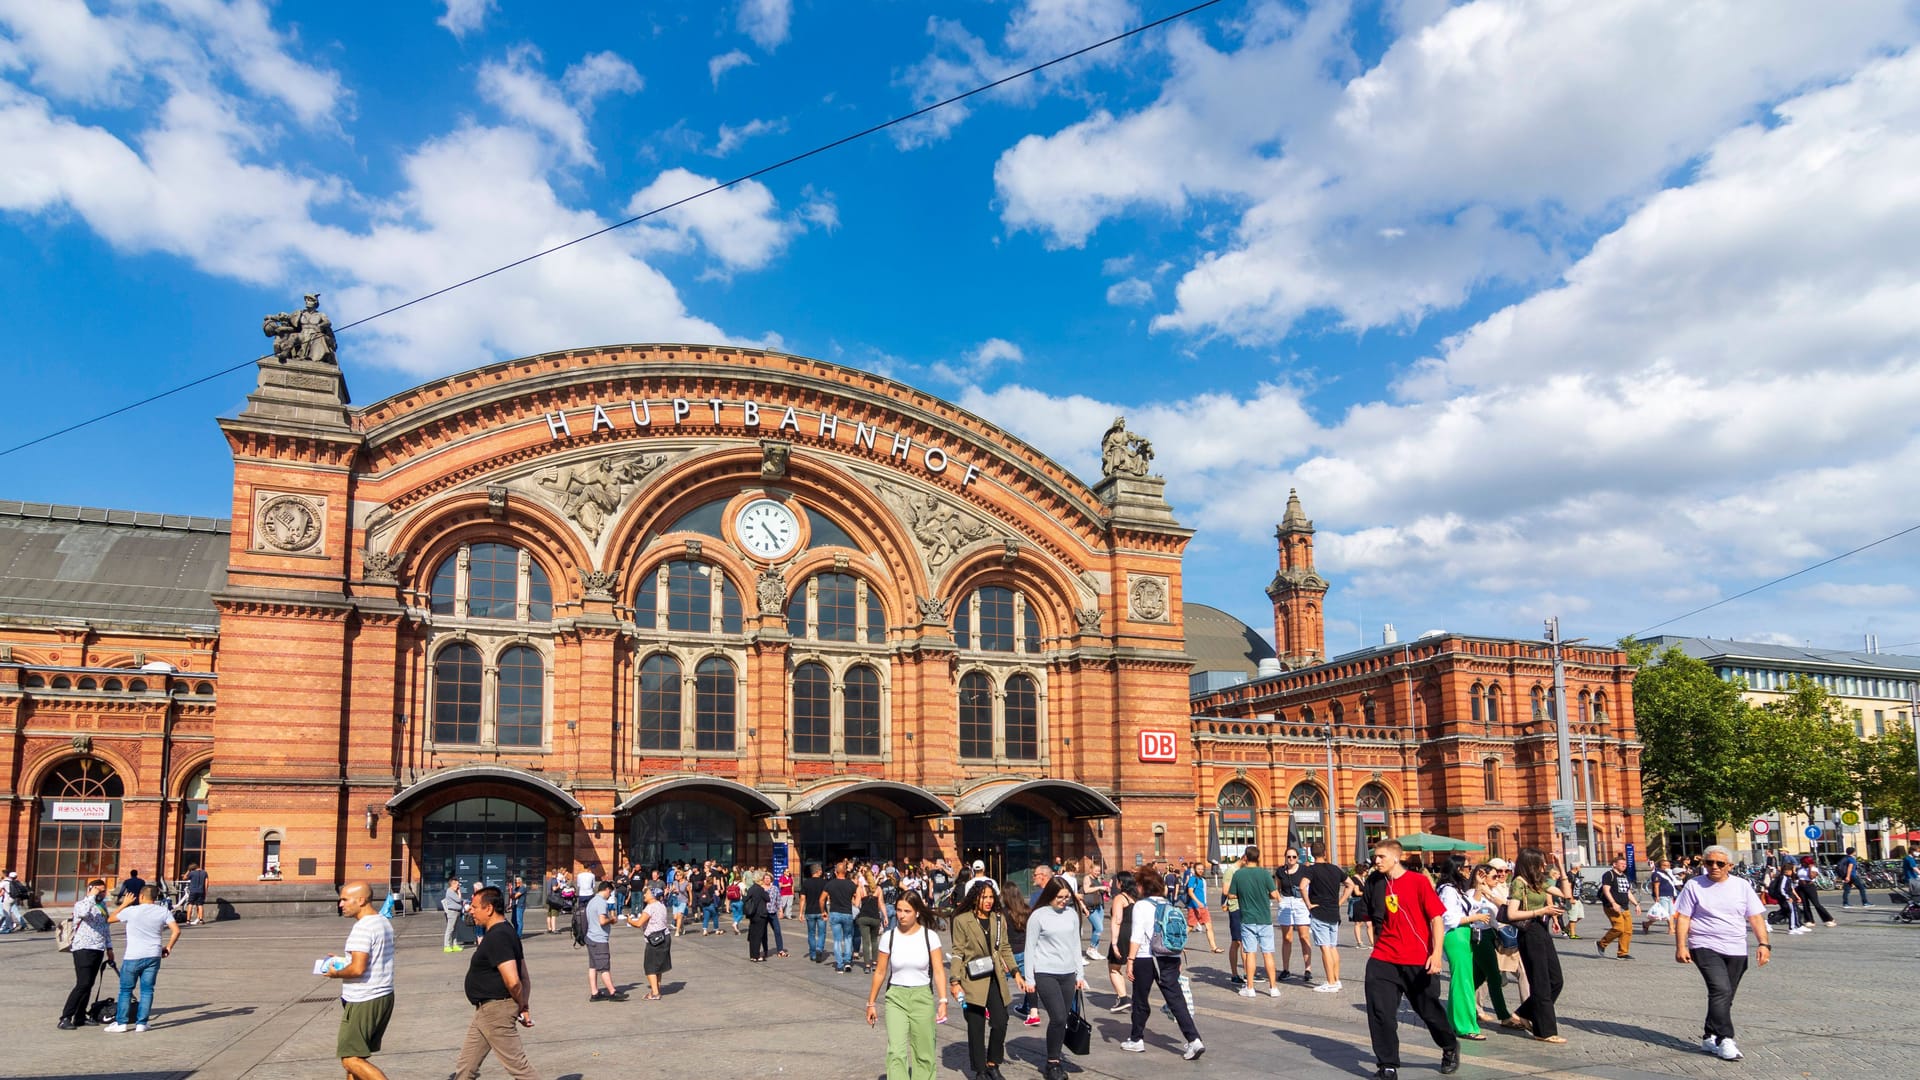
1295	520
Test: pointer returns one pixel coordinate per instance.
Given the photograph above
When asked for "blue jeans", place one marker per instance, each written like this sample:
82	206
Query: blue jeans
710	916
144	971
843	931
1097	919
779	939
738	909
816	936
1846	891
519	919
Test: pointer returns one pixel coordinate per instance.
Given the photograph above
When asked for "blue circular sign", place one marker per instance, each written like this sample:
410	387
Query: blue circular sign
1813	832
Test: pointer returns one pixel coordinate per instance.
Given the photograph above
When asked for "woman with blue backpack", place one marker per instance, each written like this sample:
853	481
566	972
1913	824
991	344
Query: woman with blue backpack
1154	951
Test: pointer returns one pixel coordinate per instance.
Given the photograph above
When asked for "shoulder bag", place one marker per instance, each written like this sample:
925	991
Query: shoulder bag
1079	1038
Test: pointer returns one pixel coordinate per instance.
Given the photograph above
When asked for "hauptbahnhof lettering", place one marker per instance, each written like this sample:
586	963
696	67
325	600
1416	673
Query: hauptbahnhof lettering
684	602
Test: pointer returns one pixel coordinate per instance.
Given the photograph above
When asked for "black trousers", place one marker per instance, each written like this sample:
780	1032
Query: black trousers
1542	963
987	1027
1056	997
1164	973
757	936
1386	984
86	968
1810	899
1722	973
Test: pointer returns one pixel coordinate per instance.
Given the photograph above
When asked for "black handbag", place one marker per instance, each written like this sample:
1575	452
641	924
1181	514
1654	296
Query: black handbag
1079	1037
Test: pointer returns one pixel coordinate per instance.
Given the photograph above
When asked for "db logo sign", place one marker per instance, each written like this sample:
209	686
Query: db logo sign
1157	746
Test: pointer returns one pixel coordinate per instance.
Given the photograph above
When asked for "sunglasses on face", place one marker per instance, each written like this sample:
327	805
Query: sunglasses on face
1715	862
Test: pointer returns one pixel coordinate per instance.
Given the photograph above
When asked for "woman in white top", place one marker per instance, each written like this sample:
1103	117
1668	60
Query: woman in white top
1463	918
910	968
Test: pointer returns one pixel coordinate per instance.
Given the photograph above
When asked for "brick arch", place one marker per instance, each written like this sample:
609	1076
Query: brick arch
737	570
36	771
1052	594
705	477
437	534
177	783
811	563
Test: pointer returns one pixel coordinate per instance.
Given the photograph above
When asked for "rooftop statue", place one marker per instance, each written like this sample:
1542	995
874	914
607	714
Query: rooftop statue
1122	453
305	335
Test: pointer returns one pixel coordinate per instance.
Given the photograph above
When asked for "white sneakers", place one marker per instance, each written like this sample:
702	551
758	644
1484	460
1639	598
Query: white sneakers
116	1027
1273	991
1728	1051
1093	954
1801	930
139	1027
1194	1049
1247	991
1327	988
1134	1046
1710	1044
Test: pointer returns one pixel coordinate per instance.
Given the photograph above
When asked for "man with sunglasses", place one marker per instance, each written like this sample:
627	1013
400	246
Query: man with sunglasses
1710	924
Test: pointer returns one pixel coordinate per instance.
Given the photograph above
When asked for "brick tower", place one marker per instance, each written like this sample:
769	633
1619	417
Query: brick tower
1298	592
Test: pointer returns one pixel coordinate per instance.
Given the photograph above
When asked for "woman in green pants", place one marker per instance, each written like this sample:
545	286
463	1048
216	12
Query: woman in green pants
912	972
1456	897
1490	896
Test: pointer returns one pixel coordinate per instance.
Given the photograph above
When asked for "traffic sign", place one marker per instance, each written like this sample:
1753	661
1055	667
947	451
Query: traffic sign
1761	828
1850	818
1813	832
1632	864
1562	815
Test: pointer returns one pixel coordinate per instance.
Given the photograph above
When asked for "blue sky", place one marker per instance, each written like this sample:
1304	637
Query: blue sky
1607	311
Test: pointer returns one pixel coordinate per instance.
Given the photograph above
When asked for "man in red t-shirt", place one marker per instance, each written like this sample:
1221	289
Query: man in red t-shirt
1408	926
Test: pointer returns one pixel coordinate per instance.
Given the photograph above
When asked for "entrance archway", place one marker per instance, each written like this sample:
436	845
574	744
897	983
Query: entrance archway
79	834
192	850
1374	807
846	830
1011	840
682	831
1238	805
483	841
1306	817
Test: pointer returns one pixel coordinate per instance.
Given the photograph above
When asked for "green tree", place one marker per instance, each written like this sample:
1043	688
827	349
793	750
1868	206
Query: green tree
1696	728
1887	777
1801	748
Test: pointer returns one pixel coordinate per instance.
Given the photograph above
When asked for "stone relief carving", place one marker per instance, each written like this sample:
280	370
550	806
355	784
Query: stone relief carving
592	491
1093	583
1122	453
1009	552
83	743
599	584
939	529
497	501
933	609
1148	595
694	548
290	523
772	591
383	567
1089	620
773	459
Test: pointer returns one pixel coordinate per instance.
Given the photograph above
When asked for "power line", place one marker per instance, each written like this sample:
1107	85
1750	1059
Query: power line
635	219
1778	580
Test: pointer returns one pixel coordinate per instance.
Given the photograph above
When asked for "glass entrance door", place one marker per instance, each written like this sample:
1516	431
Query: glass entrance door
483	841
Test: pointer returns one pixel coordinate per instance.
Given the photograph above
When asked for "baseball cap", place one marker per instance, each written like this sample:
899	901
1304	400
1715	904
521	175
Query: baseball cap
1500	864
977	865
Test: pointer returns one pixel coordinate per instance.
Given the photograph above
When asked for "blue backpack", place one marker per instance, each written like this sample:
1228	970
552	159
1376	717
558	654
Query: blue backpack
1169	931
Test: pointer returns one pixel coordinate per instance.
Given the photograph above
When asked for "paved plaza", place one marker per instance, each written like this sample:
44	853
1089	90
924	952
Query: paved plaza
237	1000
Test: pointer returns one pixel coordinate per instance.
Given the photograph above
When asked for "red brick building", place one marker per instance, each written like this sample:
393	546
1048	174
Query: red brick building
656	602
1449	733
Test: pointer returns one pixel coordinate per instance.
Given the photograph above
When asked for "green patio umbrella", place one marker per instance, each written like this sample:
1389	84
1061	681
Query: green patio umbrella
1429	842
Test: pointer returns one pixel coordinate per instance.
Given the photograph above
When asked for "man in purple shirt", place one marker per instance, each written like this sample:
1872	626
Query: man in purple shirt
1710	923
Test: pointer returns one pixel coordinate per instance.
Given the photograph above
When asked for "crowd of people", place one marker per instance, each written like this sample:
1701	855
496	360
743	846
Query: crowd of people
931	937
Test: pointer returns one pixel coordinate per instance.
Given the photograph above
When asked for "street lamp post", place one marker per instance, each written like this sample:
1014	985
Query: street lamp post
1333	804
1561	739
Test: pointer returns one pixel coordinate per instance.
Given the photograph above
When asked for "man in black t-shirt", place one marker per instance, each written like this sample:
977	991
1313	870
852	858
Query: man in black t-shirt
1328	887
840	890
813	905
1616	895
498	987
940	883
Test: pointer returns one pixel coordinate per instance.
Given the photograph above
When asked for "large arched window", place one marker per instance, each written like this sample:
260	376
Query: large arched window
687	597
836	607
79	833
1237	804
1493	705
492	581
812	709
659	721
457	681
862	712
976	715
714	714
1476	699
520	697
1023	718
996	619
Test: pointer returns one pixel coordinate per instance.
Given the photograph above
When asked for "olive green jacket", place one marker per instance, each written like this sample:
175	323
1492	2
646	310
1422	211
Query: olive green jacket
969	942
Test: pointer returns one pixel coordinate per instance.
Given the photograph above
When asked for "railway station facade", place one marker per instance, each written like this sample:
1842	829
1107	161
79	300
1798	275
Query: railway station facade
643	602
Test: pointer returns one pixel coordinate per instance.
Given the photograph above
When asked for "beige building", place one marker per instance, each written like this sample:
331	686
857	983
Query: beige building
1875	688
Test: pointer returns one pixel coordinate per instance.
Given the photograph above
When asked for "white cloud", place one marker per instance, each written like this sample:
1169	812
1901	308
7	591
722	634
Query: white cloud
518	88
731	137
767	22
740	226
1130	292
1483	142
725	62
1860	595
978	362
463	17
1036	31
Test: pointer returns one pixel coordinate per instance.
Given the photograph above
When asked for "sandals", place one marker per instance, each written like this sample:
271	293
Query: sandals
1476	1036
656	997
1516	1023
1550	1038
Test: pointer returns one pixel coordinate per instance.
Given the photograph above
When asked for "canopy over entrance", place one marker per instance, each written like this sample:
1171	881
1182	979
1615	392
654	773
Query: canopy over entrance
1078	801
746	798
916	801
1429	842
464	774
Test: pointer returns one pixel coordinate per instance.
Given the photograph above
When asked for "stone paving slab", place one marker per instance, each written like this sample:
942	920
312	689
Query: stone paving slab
237	1002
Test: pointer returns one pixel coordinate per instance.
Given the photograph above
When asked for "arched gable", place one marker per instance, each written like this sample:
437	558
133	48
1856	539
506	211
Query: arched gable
438	533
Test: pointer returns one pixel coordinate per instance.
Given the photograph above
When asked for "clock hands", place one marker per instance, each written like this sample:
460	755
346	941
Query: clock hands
771	535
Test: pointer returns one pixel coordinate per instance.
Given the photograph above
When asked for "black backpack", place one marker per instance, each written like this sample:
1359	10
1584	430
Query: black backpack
579	925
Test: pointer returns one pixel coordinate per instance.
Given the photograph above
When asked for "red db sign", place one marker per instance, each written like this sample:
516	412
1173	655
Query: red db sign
1157	746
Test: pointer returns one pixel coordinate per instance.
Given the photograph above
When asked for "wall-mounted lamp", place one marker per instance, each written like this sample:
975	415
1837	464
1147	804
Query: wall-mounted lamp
373	819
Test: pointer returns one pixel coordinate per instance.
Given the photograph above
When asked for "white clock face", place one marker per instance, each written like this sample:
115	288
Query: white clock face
767	529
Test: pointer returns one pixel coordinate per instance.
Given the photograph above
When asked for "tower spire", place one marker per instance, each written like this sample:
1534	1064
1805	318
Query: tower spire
1298	591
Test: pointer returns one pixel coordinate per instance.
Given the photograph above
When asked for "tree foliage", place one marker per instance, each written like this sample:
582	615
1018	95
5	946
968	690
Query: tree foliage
1887	777
1801	748
1696	728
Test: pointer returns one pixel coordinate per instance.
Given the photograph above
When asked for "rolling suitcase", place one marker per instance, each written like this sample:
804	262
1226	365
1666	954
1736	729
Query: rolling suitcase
37	920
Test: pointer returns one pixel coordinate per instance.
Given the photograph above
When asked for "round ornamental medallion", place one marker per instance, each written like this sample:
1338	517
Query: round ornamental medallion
1149	598
290	524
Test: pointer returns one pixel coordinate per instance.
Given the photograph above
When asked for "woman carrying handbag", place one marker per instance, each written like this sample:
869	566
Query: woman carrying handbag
1058	966
982	960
